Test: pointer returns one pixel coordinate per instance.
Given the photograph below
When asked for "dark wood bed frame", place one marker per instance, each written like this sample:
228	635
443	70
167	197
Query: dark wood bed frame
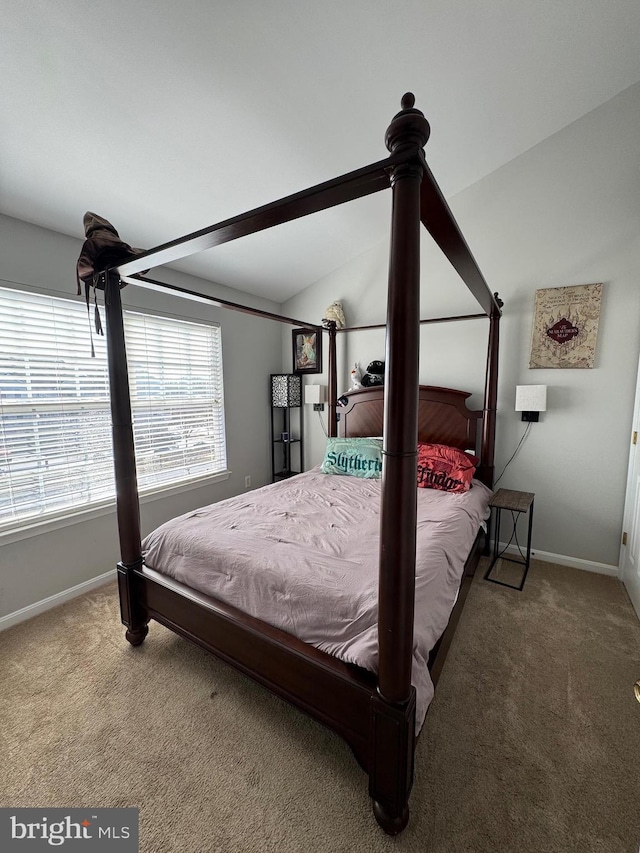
374	714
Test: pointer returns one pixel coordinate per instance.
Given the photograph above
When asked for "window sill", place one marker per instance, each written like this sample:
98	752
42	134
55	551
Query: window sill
77	516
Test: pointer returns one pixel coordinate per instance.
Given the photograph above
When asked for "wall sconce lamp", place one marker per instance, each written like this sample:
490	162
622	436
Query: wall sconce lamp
314	394
531	400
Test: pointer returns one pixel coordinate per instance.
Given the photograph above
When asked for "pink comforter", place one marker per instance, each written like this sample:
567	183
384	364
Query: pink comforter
302	555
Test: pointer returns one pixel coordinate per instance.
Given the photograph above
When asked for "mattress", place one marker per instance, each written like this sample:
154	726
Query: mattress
303	555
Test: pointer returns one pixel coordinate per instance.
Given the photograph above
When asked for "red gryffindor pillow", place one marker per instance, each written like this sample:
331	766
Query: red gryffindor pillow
446	468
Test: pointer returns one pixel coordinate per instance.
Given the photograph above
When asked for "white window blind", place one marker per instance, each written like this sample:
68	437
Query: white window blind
55	420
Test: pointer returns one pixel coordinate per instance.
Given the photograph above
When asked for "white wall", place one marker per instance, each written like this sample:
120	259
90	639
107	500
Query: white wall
566	212
37	567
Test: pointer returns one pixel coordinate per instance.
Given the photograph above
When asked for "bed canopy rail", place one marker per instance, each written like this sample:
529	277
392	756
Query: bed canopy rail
348	187
215	301
424	322
389	731
406	145
437	218
405	139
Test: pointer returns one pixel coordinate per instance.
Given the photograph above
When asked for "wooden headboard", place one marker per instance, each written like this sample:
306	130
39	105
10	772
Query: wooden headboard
443	417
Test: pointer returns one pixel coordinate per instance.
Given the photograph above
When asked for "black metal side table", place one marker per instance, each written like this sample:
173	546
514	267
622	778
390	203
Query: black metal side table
516	503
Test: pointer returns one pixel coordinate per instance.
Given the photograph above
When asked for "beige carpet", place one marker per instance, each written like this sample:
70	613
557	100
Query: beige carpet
532	742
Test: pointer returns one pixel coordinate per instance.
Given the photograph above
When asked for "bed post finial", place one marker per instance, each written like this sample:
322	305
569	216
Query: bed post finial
408	101
409	127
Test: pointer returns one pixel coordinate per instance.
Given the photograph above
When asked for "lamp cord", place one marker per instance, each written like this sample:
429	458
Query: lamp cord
324	429
524	435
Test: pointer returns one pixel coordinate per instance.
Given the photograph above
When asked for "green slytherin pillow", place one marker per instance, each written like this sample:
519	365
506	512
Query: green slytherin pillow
355	457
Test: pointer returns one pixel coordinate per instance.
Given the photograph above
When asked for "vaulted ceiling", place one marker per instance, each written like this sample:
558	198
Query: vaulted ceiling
167	117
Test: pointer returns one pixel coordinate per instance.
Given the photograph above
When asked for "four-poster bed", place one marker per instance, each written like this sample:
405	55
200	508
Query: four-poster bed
374	713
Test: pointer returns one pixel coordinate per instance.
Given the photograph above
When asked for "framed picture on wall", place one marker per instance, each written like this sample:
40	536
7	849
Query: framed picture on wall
307	350
565	326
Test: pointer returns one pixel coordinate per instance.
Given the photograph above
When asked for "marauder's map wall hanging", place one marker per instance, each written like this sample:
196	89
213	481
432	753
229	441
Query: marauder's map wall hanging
565	326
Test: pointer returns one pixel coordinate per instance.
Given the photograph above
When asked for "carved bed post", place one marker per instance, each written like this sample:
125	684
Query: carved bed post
393	709
487	452
333	381
127	504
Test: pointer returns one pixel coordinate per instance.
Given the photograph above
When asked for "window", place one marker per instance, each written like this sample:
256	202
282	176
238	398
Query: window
55	419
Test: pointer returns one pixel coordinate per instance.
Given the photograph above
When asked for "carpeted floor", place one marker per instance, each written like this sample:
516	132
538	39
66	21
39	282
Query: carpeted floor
531	744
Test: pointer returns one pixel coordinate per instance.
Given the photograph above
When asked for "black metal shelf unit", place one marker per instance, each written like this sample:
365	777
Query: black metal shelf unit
287	433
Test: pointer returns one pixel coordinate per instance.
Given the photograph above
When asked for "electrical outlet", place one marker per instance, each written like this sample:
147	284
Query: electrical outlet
247	482
318	407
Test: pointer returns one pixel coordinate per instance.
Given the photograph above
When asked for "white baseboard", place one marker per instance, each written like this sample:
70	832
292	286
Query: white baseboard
54	600
61	597
571	562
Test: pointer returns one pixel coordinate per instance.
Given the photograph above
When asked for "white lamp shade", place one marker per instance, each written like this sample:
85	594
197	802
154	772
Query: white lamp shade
531	398
314	394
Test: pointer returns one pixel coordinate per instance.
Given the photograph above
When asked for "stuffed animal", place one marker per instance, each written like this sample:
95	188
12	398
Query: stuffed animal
334	312
374	374
356	378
